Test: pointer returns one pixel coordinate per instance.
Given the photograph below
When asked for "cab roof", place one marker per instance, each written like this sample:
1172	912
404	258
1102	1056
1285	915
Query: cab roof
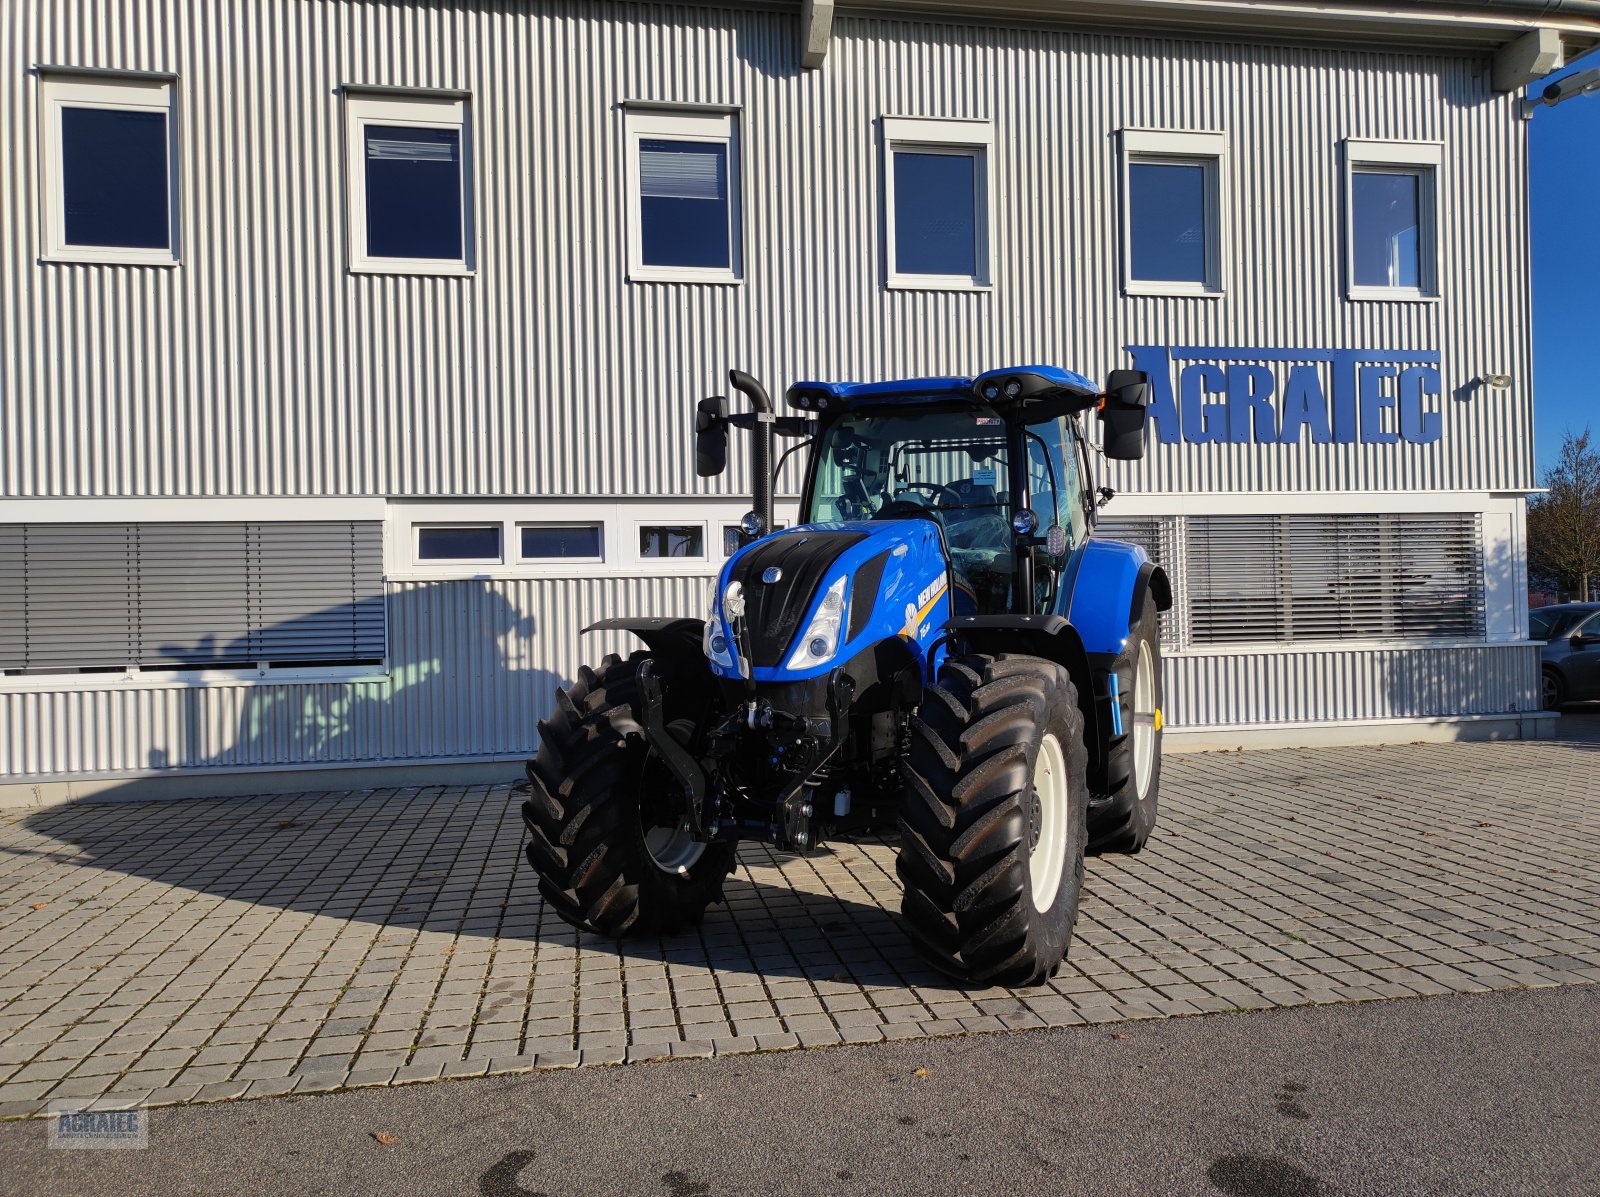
1033	382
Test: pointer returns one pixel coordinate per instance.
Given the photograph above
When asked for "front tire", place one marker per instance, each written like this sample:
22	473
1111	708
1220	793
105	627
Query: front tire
602	835
992	821
1122	819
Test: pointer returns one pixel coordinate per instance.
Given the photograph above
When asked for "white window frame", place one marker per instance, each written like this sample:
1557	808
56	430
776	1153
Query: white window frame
598	524
920	135
709	551
1425	160
421	526
417	110
127	93
707	126
619	521
1167	147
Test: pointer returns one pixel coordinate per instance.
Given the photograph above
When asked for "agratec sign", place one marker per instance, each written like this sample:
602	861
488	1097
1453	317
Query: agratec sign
1279	396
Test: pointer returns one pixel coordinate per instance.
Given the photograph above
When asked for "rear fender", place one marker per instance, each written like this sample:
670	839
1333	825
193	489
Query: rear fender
1108	593
1051	637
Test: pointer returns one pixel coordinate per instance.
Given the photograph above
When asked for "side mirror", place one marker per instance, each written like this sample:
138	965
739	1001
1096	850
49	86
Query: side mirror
711	436
1585	640
1123	414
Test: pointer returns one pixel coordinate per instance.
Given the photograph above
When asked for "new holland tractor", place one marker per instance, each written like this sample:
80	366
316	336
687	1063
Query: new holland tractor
938	648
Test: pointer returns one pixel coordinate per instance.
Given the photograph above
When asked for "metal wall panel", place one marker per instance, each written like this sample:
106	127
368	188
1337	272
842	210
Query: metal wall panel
260	366
1246	688
474	667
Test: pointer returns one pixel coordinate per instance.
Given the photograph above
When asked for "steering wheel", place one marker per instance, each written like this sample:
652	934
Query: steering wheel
899	509
938	490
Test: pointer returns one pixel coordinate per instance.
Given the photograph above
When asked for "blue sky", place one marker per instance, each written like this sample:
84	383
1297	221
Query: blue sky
1564	192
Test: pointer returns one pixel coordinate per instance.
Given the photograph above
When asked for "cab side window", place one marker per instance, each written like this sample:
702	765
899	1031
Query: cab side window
1055	480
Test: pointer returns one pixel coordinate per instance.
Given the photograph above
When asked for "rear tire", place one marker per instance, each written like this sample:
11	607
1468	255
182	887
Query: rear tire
1122	819
601	836
992	819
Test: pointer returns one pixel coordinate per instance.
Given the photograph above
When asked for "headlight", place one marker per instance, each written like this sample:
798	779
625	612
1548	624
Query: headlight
715	641
821	638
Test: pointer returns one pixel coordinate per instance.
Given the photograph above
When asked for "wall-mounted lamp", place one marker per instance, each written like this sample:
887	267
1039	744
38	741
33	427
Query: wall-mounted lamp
1496	382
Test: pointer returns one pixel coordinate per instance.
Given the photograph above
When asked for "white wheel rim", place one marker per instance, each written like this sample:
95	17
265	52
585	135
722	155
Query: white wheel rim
1047	857
1144	719
672	848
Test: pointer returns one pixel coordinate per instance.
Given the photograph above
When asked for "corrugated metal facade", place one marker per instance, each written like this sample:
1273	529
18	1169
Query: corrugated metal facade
261	367
473	667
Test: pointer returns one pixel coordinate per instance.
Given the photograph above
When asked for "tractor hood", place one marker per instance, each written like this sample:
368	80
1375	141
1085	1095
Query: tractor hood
797	603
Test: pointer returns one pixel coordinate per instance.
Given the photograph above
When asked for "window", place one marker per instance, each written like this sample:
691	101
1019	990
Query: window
115	597
1391	202
683	187
110	170
672	540
561	542
1294	578
461	542
410	184
937	203
1172	212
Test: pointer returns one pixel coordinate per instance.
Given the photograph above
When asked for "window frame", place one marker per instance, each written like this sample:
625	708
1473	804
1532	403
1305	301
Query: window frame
521	558
709	553
113	90
416	110
964	137
703	125
418	527
1425	160
1171	147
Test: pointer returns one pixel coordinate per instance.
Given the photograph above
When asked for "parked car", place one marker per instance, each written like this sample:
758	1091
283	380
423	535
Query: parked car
1571	653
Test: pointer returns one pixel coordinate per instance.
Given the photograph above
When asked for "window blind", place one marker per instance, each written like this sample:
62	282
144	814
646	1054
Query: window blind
1292	578
87	597
682	170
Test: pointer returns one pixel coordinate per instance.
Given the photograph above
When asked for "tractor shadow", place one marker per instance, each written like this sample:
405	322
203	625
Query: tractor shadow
449	861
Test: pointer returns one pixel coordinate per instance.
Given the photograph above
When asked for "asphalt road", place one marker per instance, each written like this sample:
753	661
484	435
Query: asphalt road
1492	1093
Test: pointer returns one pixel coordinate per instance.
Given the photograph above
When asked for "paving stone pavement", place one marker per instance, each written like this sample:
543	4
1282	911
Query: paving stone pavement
163	952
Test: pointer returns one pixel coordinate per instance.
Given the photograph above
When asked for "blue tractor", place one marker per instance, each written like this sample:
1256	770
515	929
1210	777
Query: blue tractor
939	648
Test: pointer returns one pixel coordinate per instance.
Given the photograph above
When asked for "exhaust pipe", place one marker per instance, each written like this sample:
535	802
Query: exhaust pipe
761	453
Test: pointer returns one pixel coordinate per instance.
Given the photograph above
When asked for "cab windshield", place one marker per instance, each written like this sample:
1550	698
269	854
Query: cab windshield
952	467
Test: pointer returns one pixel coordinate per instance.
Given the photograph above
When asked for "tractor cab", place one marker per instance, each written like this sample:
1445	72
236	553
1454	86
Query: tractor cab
998	463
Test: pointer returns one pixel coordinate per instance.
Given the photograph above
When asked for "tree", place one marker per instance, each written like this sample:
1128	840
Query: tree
1564	525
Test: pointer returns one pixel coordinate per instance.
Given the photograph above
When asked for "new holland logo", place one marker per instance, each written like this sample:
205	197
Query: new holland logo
771	574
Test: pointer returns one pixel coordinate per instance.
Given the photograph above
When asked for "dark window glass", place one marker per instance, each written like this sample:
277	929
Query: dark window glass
936	213
114	181
577	540
480	543
1539	625
683	204
1385	209
672	540
1167	215
413	192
